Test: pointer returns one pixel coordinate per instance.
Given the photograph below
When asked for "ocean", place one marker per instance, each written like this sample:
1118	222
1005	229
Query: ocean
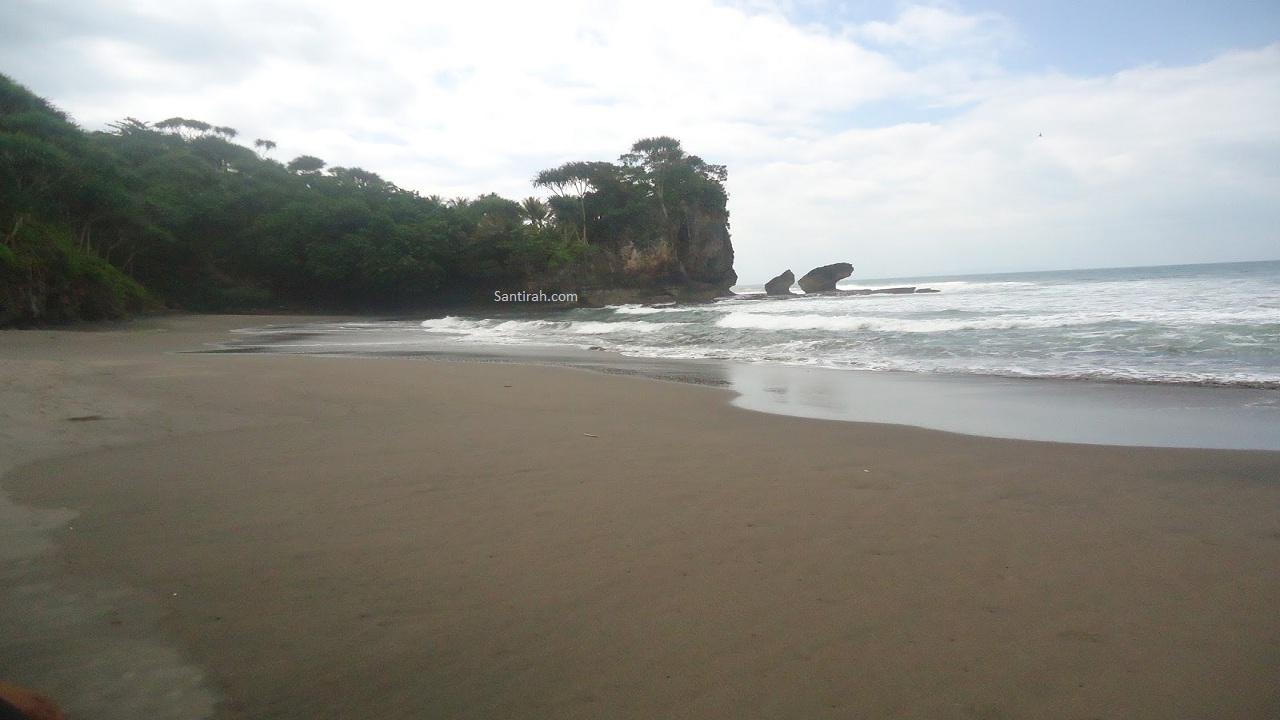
1181	356
1191	324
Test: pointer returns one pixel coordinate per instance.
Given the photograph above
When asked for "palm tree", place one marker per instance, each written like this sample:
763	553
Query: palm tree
536	211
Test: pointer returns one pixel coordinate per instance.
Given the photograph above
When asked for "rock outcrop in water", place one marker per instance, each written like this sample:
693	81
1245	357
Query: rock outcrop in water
888	291
824	279
781	285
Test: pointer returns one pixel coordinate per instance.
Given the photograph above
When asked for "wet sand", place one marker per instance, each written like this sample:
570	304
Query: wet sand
254	536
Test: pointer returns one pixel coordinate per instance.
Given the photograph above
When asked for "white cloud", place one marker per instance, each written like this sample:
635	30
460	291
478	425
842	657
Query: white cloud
933	30
1152	165
465	98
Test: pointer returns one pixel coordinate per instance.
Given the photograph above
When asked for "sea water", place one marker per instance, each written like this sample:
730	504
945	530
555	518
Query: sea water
1213	325
1185	356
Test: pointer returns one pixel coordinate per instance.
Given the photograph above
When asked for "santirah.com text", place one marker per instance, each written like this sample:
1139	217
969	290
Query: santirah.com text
522	296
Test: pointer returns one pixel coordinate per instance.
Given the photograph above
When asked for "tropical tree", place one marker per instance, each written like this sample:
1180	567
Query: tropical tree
536	211
185	128
359	177
129	126
573	180
305	165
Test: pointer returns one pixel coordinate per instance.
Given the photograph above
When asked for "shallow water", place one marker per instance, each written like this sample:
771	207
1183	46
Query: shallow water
1075	411
1052	410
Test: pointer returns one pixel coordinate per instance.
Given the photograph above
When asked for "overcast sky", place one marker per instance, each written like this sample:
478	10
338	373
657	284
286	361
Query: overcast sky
907	139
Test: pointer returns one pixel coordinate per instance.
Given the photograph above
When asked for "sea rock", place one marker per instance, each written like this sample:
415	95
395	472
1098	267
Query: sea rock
781	285
824	279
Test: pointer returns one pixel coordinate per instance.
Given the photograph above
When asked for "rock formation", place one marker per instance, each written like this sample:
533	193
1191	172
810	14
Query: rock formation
781	285
684	258
824	279
653	228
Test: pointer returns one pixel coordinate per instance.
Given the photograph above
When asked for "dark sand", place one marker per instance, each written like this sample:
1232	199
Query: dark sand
297	537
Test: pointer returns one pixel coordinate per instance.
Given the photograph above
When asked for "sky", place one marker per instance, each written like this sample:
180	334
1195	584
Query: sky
909	139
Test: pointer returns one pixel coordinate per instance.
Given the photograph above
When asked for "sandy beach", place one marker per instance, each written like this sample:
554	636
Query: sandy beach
262	536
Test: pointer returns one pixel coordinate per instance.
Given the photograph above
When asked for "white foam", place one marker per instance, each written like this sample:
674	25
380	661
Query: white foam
592	327
638	309
449	324
846	323
1181	329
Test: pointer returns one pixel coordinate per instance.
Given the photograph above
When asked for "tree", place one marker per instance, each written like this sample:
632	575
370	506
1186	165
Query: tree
173	124
129	126
197	127
210	224
32	171
306	165
57	191
185	128
536	211
359	177
673	176
572	180
221	153
712	173
655	158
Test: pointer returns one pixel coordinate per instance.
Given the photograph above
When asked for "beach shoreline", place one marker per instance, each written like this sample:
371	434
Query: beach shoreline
1080	411
280	536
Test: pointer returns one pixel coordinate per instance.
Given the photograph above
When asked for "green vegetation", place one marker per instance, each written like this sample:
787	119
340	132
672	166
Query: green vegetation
102	224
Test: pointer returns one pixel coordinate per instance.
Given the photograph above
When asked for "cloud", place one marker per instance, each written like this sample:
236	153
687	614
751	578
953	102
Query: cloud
932	30
902	144
1148	166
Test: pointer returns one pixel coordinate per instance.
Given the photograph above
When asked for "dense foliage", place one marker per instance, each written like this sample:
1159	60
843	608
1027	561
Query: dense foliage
97	225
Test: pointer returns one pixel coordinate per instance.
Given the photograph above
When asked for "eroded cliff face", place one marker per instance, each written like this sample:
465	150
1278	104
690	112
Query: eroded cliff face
704	248
687	257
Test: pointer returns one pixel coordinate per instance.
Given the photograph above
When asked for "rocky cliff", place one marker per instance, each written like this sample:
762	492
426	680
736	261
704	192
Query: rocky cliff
655	226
